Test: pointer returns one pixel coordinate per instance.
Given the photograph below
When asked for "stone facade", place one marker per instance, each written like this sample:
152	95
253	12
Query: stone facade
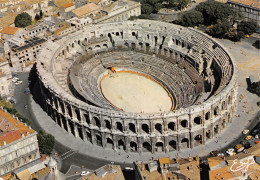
201	59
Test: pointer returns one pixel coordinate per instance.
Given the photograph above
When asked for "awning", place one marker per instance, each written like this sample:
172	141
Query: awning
36	168
24	175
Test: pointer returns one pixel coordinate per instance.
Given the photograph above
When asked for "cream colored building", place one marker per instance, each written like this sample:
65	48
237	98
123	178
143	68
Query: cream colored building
118	11
18	144
4	85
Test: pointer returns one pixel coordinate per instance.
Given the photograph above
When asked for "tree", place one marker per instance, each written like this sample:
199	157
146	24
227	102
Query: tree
257	44
181	4
247	27
46	142
41	13
234	35
23	20
213	11
219	30
150	6
192	18
255	88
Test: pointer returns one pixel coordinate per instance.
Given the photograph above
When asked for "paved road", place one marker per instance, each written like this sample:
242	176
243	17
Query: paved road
76	159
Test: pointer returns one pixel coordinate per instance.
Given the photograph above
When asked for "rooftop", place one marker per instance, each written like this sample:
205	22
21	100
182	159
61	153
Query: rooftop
252	3
2	59
28	44
68	5
106	172
86	9
12	129
9	30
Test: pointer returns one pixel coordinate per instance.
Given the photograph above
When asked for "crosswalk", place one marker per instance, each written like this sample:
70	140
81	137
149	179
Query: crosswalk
67	154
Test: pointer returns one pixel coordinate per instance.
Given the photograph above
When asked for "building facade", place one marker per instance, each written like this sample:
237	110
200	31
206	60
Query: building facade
18	143
249	8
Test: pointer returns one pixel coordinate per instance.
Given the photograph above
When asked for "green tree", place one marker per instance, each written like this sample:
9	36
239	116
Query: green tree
46	142
257	44
191	18
247	27
23	20
220	29
255	88
150	6
181	4
213	11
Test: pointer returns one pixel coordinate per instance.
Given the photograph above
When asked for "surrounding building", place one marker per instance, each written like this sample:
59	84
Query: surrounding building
244	165
18	143
165	168
110	171
249	8
5	78
8	32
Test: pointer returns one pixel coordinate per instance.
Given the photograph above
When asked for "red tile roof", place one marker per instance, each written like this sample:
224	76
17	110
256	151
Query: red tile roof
68	5
9	30
11	128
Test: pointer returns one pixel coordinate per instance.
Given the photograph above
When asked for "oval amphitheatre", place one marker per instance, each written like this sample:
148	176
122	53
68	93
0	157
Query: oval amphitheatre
139	86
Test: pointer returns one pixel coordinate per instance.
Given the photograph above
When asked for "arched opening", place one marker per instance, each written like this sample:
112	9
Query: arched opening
172	145
158	127
80	132
216	111
184	143
147	47
207	116
87	118
208	134
119	126
96	122
197	120
145	128
133	46
198	139
133	146
107	124
117	33
216	129
147	147
69	111
121	144
105	46
159	147
78	114
132	127
110	143
98	140
171	126
184	123
89	137
64	122
223	105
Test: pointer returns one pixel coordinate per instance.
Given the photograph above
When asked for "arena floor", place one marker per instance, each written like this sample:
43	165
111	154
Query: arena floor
132	92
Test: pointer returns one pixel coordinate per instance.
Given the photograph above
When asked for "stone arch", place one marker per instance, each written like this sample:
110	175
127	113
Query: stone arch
96	122
172	145
77	112
133	146
87	118
197	120
216	111
147	47
89	136
121	144
105	45
171	126
145	128
159	147
216	129
147	147
158	127
64	122
133	46
98	140
208	134
223	106
207	115
132	127
97	47
198	139
185	143
184	123
119	126
229	99
107	124
110	143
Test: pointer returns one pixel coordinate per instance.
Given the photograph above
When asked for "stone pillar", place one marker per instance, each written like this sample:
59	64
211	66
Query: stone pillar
103	137
76	131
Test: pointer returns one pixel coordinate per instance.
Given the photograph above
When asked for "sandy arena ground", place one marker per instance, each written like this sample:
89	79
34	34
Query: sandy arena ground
135	93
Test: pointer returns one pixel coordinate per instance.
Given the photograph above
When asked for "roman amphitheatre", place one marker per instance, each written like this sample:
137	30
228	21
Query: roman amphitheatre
139	86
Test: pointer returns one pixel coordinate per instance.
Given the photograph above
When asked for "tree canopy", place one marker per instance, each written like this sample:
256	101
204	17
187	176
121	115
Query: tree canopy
46	142
247	27
192	18
23	20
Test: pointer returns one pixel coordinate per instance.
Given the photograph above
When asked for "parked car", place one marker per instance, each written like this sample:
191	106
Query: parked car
241	149
243	142
238	146
220	154
255	132
230	151
84	173
257	136
248	137
245	131
251	140
214	153
257	142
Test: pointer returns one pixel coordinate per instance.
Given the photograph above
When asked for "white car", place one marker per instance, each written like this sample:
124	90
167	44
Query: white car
245	131
220	154
14	80
230	151
84	173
